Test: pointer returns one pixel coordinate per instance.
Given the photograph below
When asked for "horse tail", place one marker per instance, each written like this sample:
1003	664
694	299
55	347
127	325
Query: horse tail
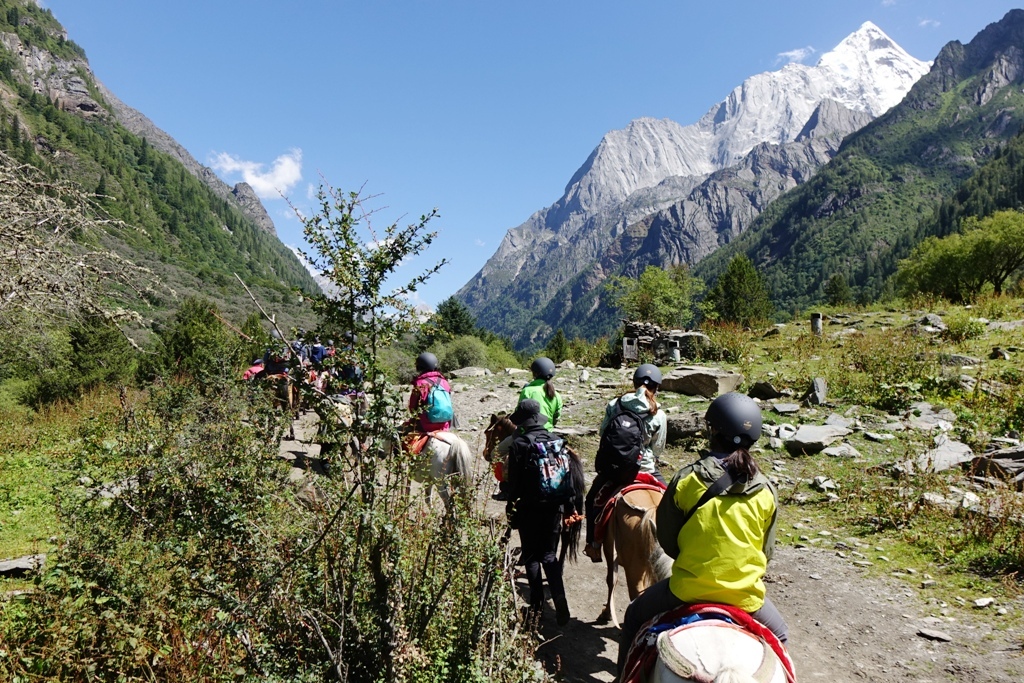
659	565
463	460
571	532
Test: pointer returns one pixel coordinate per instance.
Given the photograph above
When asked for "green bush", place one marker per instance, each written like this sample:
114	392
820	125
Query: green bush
461	352
499	357
961	327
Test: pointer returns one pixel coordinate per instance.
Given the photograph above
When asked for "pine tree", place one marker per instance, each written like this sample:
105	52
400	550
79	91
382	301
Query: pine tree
837	291
741	295
558	347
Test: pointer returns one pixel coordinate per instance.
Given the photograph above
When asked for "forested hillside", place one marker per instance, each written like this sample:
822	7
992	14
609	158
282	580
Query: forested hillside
191	238
869	206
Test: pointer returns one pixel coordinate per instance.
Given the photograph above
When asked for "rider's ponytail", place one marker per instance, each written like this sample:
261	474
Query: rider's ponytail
549	389
651	401
742	464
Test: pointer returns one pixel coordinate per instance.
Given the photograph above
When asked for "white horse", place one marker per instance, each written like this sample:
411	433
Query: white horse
713	651
448	462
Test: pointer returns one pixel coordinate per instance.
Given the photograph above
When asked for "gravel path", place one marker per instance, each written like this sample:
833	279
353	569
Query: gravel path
844	625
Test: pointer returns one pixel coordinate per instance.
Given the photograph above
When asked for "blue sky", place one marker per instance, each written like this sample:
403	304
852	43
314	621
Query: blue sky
482	109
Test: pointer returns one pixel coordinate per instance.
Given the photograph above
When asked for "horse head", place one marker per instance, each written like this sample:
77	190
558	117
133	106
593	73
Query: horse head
500	428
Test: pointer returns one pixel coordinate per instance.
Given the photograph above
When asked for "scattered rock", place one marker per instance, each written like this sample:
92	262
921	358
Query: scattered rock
786	431
814	439
982	603
775	443
928	583
999	353
685	425
574	431
786	408
1003	465
469	372
879	437
946	455
584	376
824	484
20	567
836	420
818	392
935	635
489	397
843	450
1006	325
958	360
765	391
933	321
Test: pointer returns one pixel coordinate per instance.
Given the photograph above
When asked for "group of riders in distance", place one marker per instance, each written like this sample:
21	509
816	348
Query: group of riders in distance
696	583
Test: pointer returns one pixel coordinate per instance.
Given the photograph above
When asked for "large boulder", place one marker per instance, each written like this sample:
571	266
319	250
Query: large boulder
469	372
701	381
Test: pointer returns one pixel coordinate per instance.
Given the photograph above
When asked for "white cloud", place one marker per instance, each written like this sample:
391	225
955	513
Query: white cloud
797	55
928	23
888	3
479	243
284	173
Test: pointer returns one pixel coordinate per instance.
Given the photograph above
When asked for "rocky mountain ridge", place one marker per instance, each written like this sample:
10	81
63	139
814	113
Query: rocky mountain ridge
72	83
651	165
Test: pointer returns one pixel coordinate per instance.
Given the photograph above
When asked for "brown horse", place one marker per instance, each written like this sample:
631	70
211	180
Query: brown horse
631	541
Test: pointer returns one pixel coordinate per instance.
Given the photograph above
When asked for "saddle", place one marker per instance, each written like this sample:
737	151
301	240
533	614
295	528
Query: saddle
610	494
647	645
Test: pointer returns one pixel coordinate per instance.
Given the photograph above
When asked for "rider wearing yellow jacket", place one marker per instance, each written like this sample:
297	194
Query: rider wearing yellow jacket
722	552
719	529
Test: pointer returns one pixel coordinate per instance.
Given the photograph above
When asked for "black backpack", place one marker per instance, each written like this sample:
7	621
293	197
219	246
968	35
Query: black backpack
548	474
622	443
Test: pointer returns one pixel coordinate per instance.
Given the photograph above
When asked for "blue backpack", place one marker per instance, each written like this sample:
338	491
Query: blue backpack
439	405
549	471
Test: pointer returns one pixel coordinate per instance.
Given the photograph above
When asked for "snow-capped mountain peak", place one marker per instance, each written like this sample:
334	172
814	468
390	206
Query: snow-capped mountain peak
866	72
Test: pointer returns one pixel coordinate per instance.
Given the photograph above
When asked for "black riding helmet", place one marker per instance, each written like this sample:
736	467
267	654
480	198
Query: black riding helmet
543	368
736	418
648	375
426	362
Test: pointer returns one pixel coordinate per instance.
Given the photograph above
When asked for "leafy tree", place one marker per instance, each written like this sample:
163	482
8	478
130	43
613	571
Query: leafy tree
957	267
661	297
741	295
558	347
837	291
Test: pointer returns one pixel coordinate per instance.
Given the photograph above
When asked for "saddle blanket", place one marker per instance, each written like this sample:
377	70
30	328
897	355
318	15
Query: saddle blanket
643	651
609	496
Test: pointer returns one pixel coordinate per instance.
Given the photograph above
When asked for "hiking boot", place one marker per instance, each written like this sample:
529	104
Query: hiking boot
561	611
500	495
593	551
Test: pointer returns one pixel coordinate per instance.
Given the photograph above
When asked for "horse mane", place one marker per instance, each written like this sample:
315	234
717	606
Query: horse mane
499	428
660	564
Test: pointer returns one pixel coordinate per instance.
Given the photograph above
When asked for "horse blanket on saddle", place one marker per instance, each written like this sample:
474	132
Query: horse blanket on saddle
610	494
643	651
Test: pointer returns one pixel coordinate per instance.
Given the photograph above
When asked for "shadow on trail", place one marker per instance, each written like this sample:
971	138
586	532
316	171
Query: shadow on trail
582	651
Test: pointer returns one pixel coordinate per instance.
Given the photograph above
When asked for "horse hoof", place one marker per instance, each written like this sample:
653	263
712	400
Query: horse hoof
604	617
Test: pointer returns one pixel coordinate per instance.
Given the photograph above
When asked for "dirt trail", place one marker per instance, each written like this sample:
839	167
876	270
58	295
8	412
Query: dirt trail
844	625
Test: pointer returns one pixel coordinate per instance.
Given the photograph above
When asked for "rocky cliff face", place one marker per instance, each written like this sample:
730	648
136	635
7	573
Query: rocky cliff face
71	83
242	195
550	265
